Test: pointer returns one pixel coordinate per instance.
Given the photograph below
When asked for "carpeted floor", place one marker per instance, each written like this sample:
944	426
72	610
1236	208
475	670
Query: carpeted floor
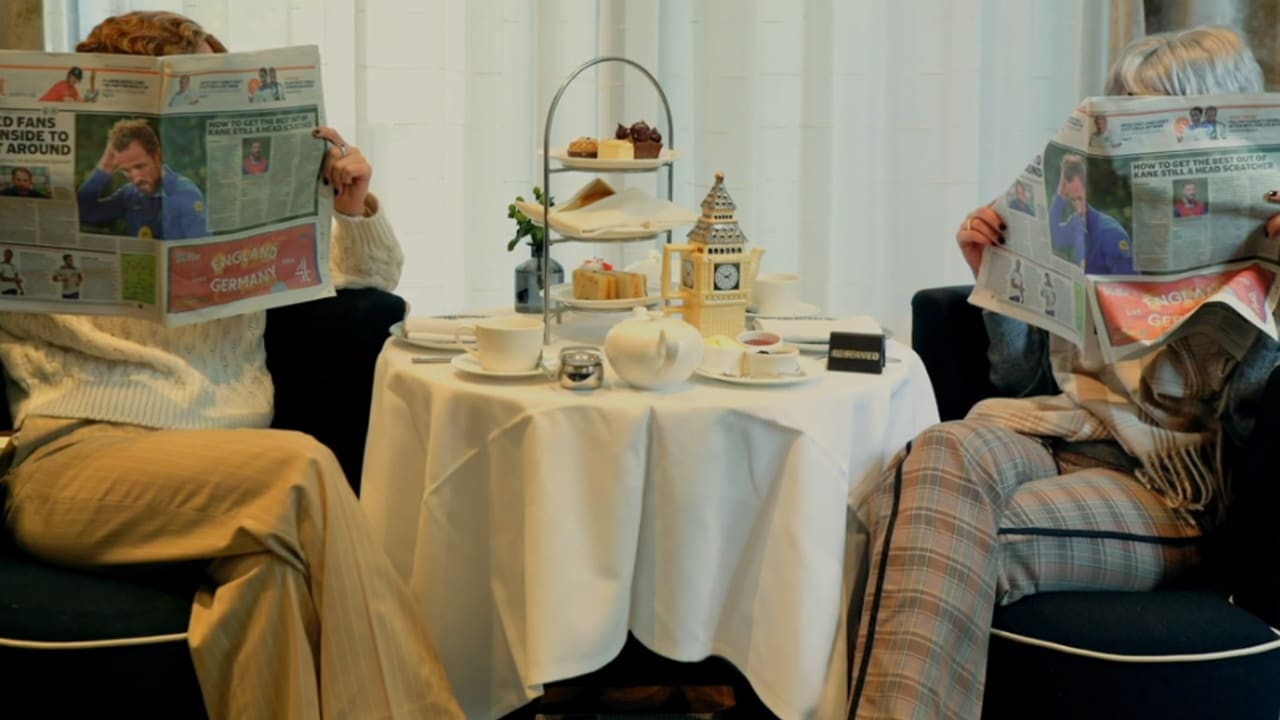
640	684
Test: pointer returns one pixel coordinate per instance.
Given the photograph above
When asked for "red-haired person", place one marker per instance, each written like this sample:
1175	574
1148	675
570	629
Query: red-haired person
150	444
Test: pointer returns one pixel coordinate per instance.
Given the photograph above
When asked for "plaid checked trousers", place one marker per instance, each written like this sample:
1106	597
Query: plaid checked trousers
971	515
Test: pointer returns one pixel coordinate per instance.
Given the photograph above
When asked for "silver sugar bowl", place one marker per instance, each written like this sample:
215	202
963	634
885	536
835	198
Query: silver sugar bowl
581	368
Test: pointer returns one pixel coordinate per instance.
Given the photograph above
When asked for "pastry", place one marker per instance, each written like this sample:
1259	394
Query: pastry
589	284
592	281
597	280
615	150
647	140
629	284
584	147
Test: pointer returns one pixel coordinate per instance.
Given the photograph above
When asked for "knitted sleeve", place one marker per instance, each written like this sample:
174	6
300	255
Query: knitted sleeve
1019	357
364	251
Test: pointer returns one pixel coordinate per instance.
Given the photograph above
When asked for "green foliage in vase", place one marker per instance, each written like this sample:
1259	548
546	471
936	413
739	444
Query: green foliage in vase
526	227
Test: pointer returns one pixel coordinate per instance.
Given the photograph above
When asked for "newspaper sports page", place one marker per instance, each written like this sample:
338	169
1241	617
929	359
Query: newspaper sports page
1140	213
177	189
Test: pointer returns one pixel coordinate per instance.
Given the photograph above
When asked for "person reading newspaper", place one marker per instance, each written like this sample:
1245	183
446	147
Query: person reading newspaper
140	443
1118	464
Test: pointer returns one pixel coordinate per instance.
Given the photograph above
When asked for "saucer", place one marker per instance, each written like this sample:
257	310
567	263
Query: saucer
810	369
801	310
563	294
431	341
804	347
468	364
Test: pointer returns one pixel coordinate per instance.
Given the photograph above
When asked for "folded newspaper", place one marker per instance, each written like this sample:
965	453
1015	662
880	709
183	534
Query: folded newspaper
1139	213
177	189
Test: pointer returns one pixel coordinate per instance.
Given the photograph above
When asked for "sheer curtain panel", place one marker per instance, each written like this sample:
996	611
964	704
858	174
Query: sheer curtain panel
854	134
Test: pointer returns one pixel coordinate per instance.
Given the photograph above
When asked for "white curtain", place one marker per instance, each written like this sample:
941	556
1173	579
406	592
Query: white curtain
854	134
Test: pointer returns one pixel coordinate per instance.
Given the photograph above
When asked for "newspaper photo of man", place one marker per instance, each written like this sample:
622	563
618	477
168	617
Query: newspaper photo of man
1049	296
1082	234
157	202
65	90
1102	136
68	278
255	158
1188	203
1019	199
256	85
22	185
1017	287
184	95
1216	129
275	90
10	278
1194	129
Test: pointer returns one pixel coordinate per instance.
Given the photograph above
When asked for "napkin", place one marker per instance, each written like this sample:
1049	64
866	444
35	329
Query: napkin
435	329
629	210
593	191
819	331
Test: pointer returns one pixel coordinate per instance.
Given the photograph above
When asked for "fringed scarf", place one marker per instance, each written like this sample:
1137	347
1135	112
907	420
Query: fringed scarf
1162	408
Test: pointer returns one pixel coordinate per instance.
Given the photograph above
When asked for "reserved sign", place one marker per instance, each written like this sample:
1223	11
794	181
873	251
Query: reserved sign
856	352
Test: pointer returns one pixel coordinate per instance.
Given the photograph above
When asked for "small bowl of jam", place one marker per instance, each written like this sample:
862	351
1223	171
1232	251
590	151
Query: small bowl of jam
759	340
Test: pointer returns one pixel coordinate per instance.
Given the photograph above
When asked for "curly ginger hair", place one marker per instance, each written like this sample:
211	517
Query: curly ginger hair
148	33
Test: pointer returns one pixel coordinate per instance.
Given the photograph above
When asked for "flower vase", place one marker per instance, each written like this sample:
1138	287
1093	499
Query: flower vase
529	282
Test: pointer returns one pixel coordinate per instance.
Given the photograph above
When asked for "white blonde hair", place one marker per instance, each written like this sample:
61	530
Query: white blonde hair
1198	61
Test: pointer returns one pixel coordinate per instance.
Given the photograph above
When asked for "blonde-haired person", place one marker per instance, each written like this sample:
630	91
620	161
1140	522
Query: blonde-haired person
1082	479
140	443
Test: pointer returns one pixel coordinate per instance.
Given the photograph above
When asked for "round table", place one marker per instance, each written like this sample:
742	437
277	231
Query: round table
538	525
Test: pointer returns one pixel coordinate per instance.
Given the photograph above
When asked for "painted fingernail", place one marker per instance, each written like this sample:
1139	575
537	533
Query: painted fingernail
324	180
1001	239
335	191
316	132
1273	193
1003	226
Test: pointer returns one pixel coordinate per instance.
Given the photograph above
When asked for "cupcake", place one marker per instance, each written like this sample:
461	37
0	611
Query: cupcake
647	140
583	147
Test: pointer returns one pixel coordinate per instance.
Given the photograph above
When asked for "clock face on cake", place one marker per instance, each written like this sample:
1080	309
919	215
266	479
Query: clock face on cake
686	273
727	276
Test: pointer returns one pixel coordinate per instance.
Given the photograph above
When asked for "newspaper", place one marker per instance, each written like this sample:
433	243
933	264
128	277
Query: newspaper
1141	213
177	189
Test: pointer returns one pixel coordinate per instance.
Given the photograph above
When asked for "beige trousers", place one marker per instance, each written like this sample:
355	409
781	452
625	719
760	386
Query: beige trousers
304	617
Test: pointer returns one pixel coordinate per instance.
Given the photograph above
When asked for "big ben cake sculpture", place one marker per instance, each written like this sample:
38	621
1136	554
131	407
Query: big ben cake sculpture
716	270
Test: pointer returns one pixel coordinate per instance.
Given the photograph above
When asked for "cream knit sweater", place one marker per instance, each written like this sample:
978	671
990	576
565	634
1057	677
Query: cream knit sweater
207	375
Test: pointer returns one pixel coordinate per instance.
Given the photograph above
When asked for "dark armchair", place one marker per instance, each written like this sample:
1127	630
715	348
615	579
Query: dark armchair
1184	652
112	643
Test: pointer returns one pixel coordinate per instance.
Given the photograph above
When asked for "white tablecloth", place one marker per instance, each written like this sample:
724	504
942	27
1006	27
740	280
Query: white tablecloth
537	525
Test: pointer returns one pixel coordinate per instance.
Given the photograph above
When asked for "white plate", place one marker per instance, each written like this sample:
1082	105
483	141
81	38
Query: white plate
801	311
664	156
810	369
468	364
443	343
564	294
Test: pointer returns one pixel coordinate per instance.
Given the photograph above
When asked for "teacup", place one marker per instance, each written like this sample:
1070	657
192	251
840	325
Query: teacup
504	344
776	293
781	360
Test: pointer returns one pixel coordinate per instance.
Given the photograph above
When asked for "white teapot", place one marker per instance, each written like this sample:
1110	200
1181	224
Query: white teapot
650	350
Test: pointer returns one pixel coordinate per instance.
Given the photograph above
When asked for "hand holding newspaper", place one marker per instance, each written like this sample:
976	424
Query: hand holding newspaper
178	189
1140	212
